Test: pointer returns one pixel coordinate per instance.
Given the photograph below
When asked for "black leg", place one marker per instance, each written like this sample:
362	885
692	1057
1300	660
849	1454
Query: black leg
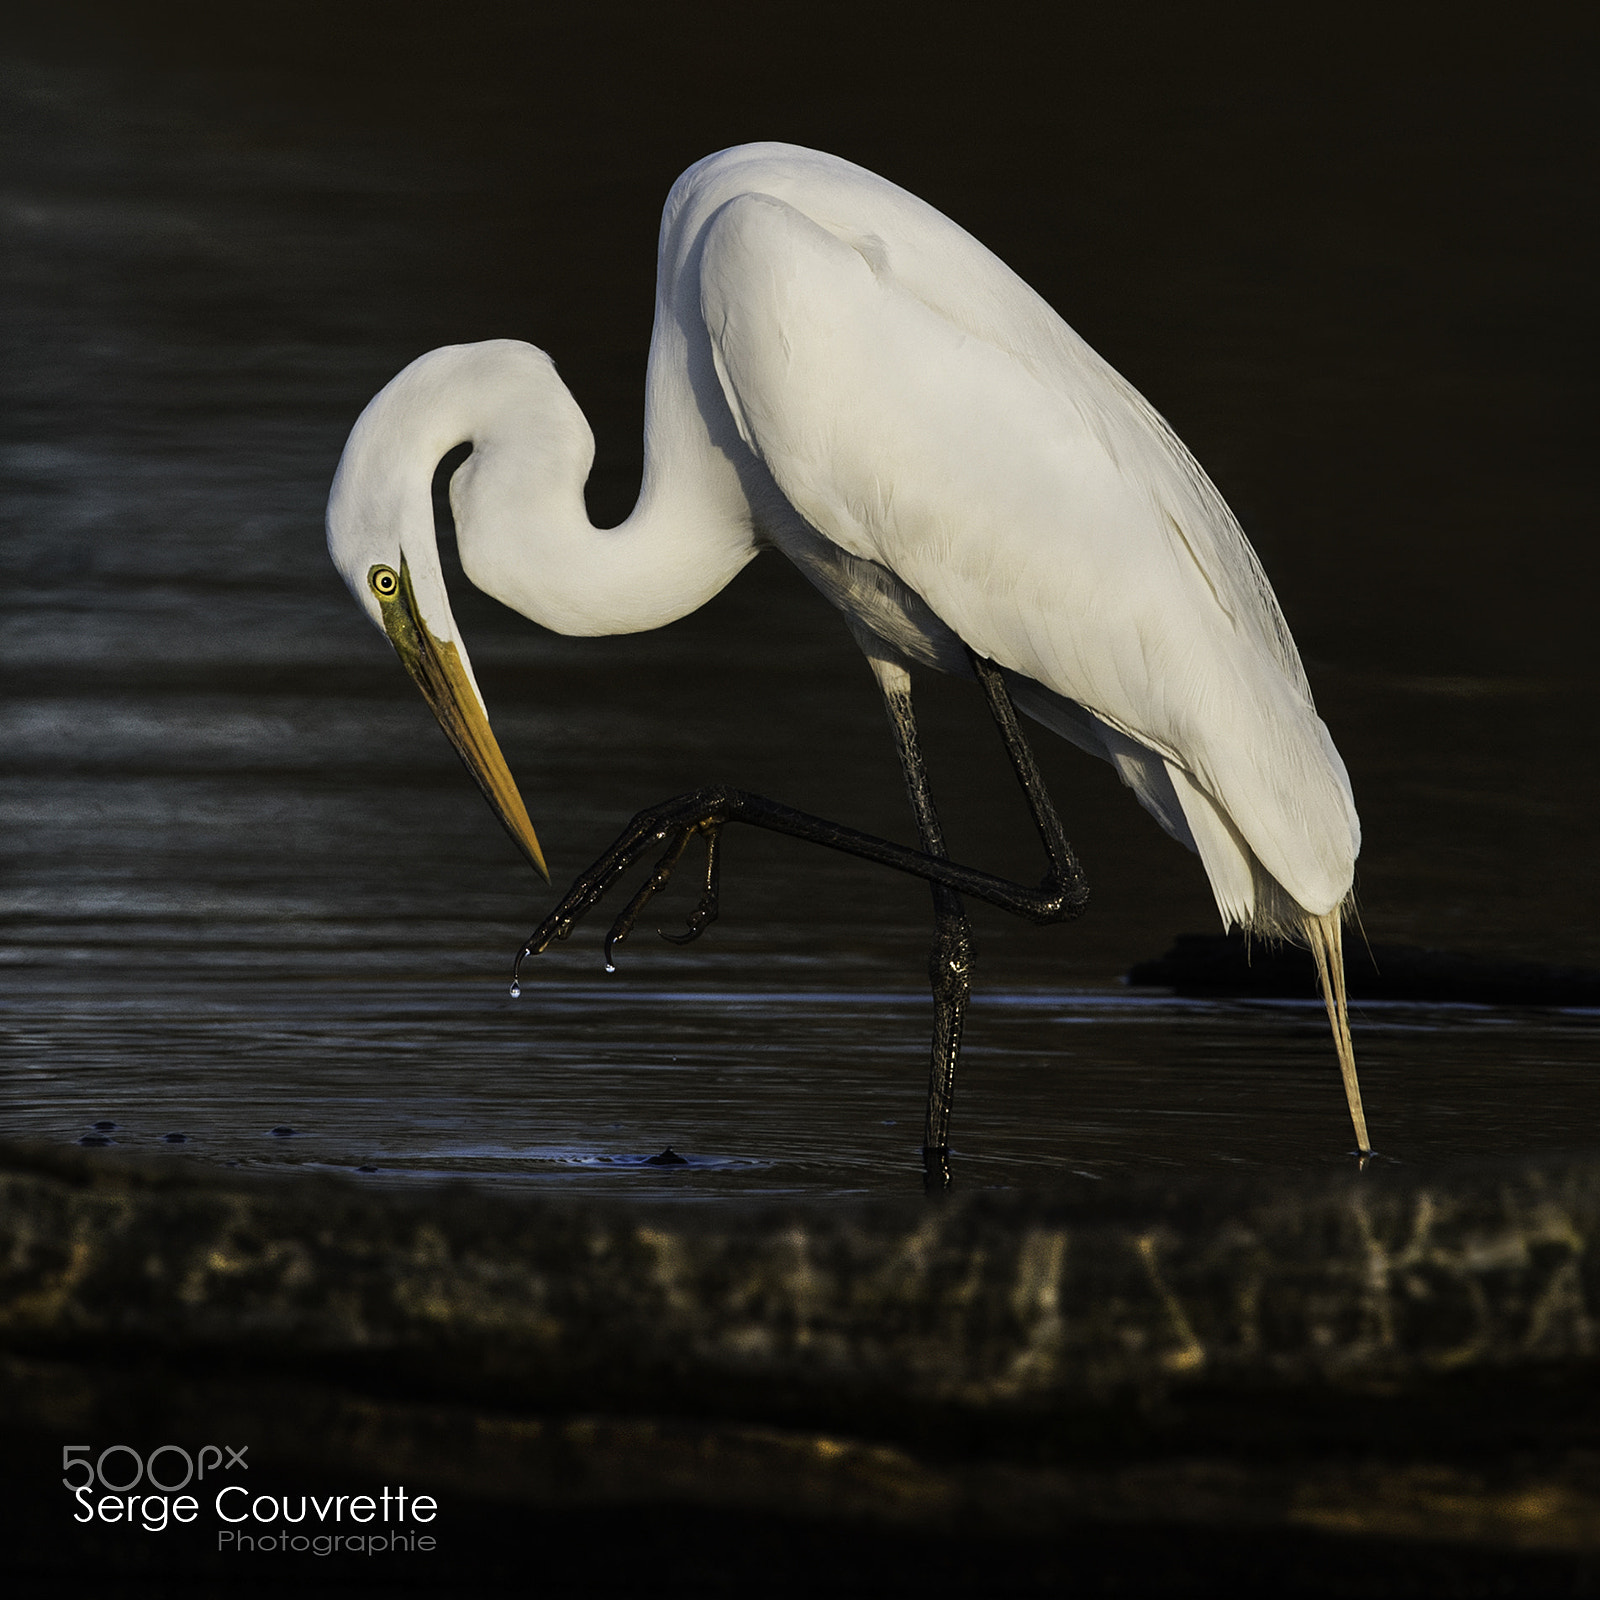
950	960
667	829
1064	866
670	824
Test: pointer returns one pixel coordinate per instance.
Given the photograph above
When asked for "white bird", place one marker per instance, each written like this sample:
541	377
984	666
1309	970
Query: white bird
841	372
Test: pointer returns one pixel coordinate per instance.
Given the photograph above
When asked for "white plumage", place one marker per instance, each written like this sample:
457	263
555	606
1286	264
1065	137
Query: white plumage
840	371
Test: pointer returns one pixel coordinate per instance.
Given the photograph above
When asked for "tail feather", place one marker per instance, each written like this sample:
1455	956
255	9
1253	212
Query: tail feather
1247	894
1325	935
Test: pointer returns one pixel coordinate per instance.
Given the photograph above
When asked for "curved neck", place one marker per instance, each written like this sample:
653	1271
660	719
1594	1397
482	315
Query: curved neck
524	534
521	524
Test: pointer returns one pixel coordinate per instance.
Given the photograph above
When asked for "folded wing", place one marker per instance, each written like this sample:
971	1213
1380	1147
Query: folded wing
1047	515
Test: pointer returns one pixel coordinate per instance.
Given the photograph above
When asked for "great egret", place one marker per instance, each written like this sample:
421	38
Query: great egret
839	371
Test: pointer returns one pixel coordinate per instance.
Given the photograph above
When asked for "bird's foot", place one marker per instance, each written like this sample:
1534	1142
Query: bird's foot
703	915
671	825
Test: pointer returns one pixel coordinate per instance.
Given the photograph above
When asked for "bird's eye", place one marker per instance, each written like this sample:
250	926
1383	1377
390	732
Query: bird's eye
384	582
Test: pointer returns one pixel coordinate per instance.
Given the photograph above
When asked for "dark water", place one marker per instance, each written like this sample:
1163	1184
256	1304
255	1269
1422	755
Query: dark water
246	885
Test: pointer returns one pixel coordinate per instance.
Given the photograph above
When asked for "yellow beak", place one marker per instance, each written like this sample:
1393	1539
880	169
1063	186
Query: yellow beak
436	666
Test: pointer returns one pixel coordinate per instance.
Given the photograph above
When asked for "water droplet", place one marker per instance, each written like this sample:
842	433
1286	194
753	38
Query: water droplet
611	966
516	990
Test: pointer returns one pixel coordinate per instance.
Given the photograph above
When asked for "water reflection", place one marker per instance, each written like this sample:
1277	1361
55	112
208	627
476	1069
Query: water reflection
765	1092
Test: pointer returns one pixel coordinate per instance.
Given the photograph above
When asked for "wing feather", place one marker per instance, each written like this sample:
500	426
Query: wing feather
1042	510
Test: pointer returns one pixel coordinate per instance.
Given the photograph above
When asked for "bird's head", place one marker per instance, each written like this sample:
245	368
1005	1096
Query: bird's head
382	540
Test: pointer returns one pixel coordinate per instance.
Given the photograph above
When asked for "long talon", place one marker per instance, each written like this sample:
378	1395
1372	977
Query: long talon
645	830
705	913
659	878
